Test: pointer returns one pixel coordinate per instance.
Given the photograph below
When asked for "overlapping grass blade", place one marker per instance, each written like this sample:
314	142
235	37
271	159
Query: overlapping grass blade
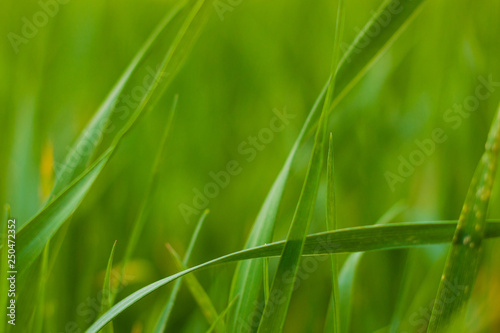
200	295
360	239
247	280
463	260
275	312
42	227
107	290
165	315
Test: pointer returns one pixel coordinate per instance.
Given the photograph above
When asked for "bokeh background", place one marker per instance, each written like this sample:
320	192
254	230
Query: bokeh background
262	55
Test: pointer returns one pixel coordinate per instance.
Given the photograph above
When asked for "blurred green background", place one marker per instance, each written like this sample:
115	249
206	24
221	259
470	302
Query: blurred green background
263	55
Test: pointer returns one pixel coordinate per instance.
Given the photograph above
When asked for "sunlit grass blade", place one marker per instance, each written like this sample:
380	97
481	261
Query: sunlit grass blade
221	316
463	260
360	239
333	320
4	267
107	291
141	217
165	315
199	294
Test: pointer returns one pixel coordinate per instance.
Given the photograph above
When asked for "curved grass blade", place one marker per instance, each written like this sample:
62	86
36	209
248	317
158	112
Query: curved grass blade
360	239
79	156
43	219
275	312
165	315
273	318
463	260
106	290
200	295
359	58
35	235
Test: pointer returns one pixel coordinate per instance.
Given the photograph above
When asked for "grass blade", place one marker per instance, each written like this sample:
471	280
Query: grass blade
331	224
106	290
247	280
360	239
463	259
79	156
51	217
274	316
200	295
165	315
35	235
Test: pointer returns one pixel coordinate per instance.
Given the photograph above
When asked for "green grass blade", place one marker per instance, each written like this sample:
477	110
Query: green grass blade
4	268
463	260
360	239
200	295
43	219
247	280
39	314
79	156
273	318
161	325
362	55
144	207
33	236
221	316
274	315
106	290
331	224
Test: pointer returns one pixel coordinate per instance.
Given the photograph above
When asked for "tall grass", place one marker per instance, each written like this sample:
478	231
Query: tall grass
366	105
